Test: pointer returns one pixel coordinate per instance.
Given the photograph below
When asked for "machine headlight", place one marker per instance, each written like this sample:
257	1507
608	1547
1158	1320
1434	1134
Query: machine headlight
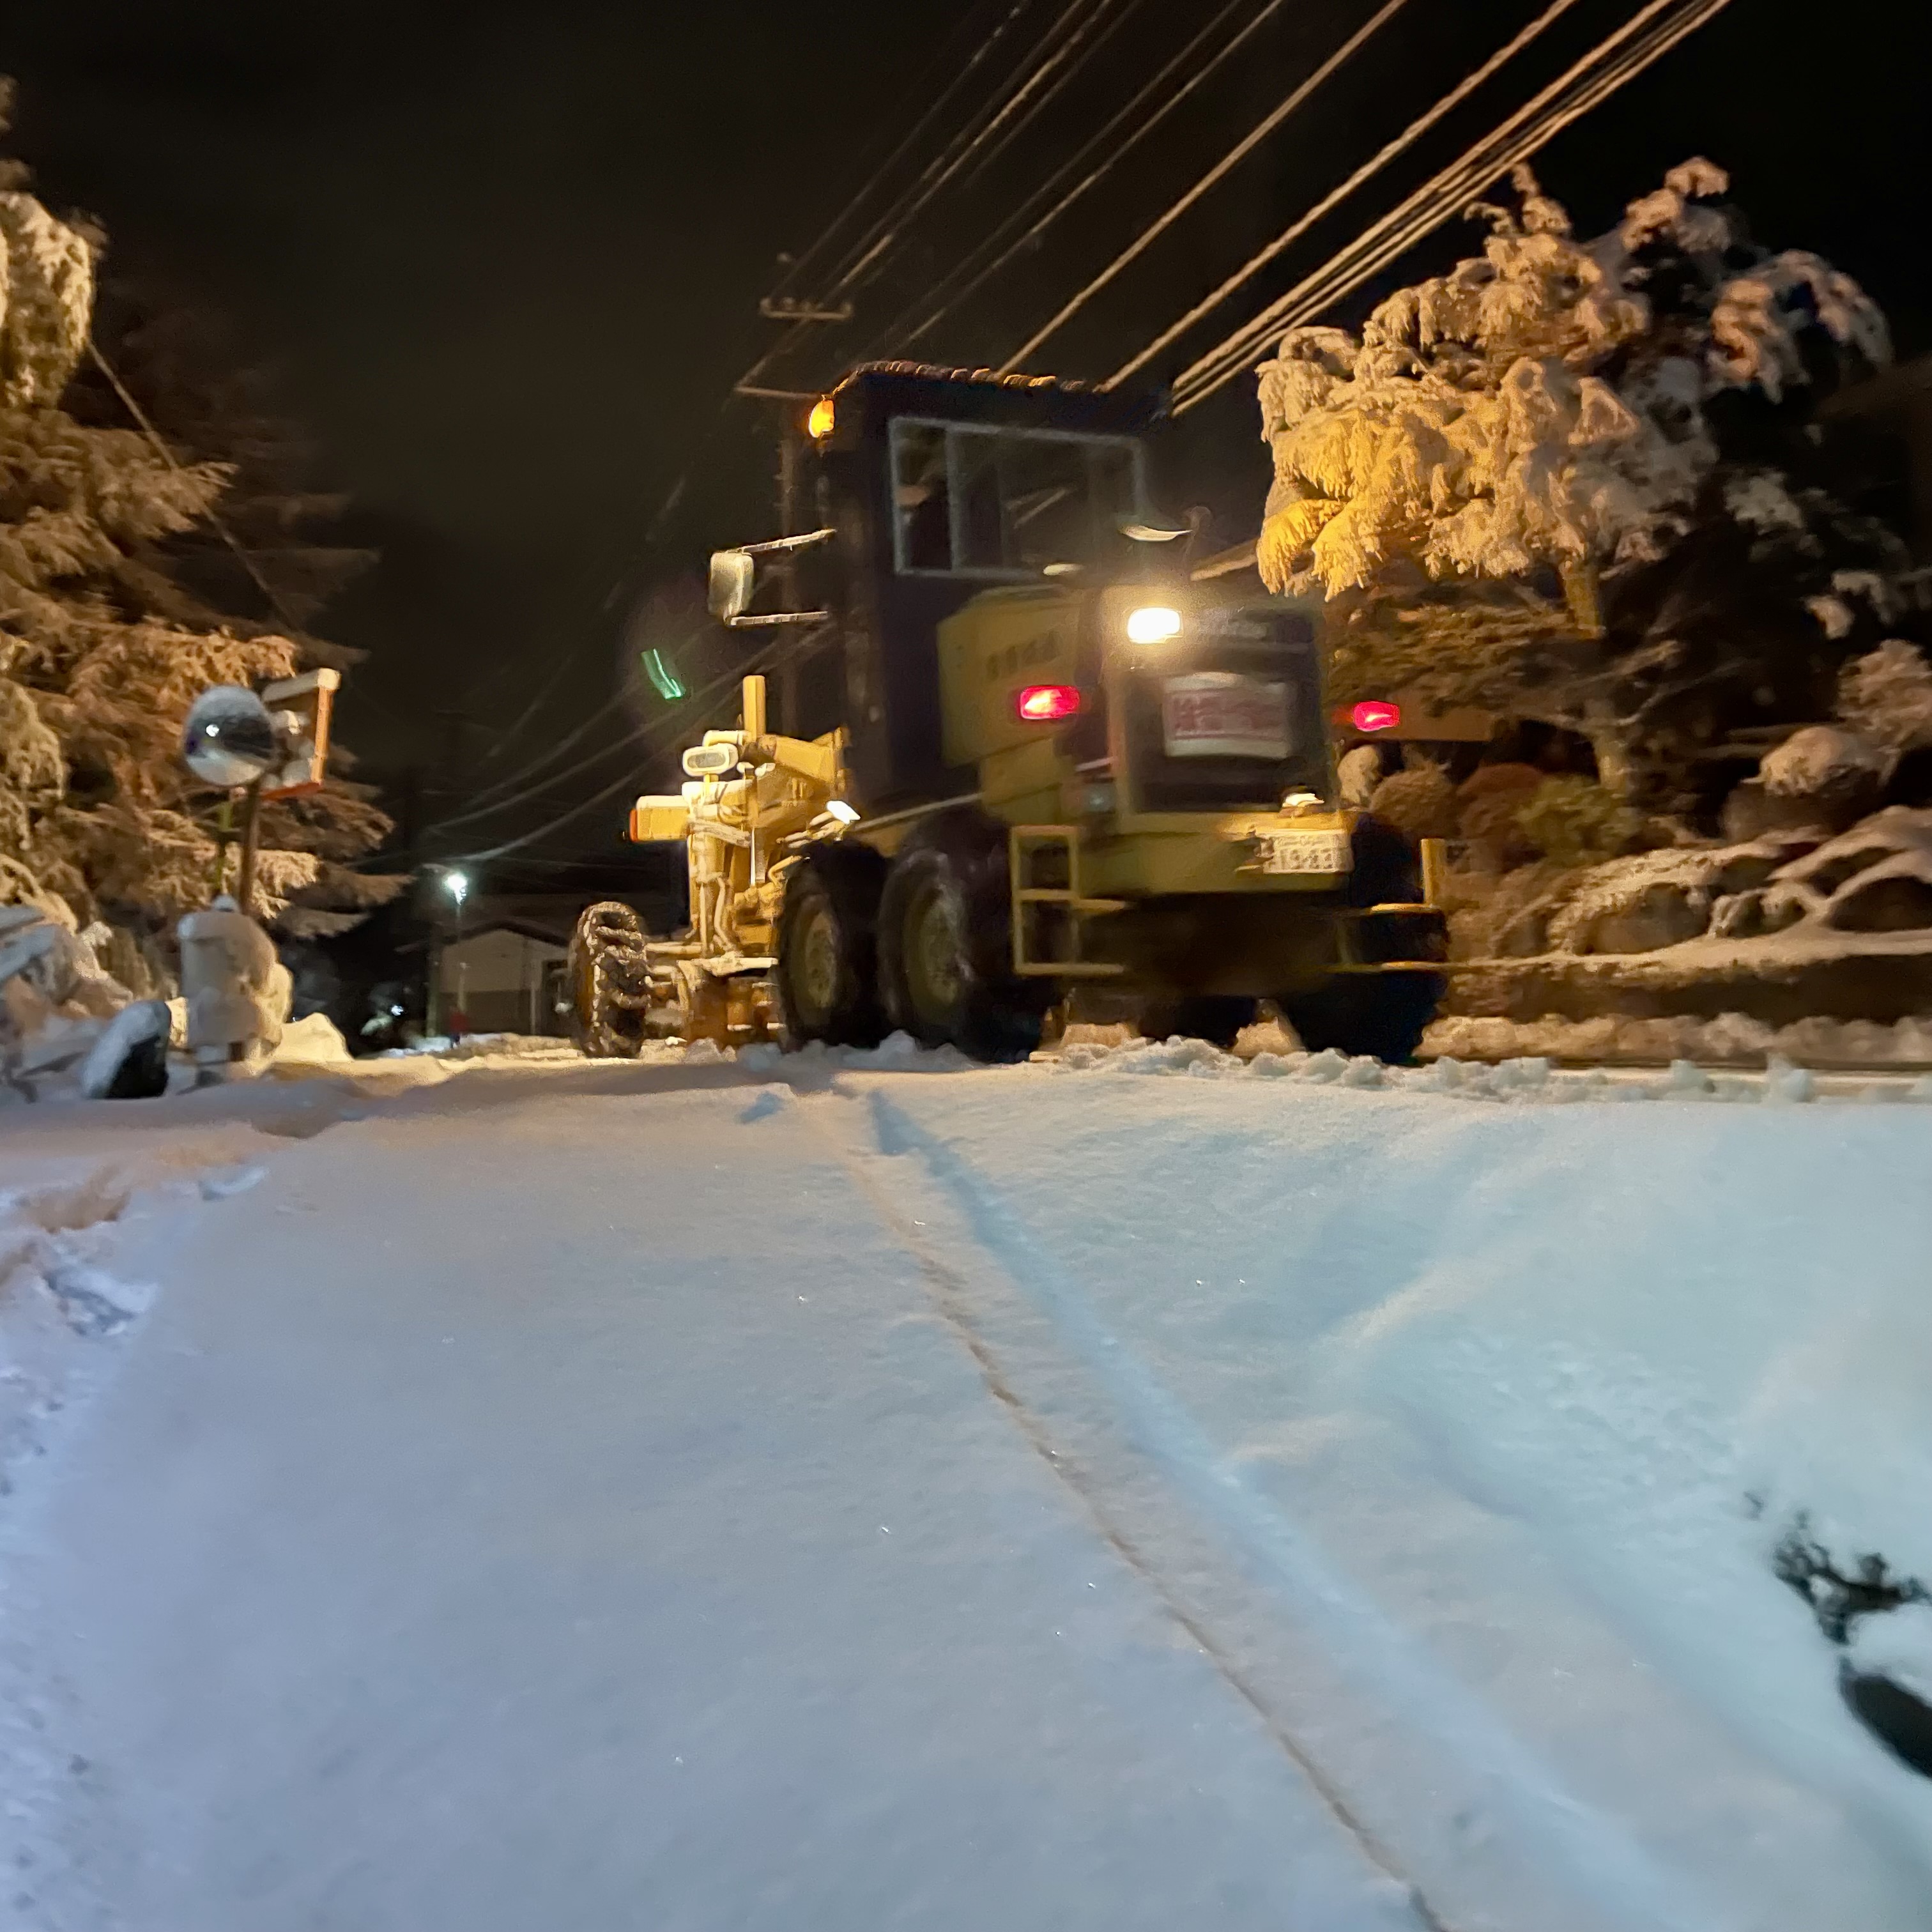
1152	624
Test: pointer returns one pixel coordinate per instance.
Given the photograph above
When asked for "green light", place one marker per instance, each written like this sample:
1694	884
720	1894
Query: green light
664	680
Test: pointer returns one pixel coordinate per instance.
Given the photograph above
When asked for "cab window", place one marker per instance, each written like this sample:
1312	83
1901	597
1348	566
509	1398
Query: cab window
1007	504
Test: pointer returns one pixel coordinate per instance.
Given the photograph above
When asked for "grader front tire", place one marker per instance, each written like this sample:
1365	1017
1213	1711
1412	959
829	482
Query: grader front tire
610	982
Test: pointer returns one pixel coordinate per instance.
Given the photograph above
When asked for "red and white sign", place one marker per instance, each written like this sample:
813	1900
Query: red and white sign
1222	714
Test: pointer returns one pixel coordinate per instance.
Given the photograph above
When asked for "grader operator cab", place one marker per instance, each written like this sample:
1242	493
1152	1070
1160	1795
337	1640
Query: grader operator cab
1051	769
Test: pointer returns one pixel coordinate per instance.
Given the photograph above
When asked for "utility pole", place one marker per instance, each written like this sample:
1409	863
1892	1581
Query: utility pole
788	526
799	313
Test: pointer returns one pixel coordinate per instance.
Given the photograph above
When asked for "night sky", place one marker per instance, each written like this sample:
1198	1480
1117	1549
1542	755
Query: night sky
508	258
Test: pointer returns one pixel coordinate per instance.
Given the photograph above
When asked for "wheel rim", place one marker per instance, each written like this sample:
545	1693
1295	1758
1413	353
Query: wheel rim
935	963
815	976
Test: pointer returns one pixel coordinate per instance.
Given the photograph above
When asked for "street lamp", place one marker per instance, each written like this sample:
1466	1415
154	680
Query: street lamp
455	883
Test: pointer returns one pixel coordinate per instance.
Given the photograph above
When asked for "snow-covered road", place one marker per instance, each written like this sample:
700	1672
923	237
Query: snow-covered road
717	1497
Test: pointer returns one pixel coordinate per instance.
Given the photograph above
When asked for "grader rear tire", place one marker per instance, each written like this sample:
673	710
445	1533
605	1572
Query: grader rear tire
610	982
828	969
946	943
1381	1015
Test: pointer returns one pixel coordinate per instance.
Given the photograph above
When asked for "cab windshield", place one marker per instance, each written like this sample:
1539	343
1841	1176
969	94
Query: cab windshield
1008	504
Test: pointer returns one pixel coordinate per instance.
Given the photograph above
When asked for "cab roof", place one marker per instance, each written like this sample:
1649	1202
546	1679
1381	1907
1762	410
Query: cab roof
875	392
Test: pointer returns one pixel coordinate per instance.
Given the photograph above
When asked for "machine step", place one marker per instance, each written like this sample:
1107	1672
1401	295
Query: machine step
1025	843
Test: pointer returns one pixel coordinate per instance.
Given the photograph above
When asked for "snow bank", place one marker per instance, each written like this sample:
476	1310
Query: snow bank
87	1215
1515	1411
1520	1079
1730	1038
314	1040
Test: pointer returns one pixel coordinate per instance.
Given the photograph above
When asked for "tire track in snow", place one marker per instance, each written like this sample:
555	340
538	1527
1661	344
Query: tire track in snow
951	1294
1602	1871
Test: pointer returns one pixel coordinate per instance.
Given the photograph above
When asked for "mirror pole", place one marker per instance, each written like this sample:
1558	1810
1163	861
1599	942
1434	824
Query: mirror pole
251	840
224	827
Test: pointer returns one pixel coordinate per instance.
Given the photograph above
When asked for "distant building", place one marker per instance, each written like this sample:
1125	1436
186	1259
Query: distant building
506	977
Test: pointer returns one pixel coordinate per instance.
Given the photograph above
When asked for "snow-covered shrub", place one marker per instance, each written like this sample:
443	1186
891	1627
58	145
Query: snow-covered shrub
1419	802
1651	900
1511	919
1876	878
1821	759
1487	802
1358	773
1886	697
1824	777
1576	822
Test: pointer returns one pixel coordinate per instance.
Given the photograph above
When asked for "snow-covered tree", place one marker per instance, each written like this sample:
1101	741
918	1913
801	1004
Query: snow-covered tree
184	374
1576	481
102	649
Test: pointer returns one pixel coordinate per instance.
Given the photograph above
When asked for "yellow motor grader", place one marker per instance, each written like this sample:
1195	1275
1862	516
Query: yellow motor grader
1035	762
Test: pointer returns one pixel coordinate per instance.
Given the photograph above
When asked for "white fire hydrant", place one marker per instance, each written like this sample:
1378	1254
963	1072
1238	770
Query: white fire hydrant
228	976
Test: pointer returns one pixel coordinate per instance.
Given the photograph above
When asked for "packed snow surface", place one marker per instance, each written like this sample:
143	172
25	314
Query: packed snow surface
852	1490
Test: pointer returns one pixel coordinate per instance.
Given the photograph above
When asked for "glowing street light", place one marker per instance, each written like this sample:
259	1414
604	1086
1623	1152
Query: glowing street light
456	885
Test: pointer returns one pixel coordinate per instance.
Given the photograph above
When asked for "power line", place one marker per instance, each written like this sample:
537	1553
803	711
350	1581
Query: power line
1060	41
1031	235
881	234
767	659
1591	80
1444	196
1112	26
1374	165
651	532
213	517
1226	166
1066	46
801	263
479	808
549	756
270	596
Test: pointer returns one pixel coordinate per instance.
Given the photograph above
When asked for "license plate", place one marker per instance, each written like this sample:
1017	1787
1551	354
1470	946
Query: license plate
1306	852
1221	714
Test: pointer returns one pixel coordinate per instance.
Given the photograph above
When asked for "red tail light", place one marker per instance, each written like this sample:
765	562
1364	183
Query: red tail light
1375	715
1046	703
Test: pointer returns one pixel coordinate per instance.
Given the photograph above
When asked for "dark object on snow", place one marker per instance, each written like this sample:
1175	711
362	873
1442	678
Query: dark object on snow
1898	1717
1900	1720
130	1060
1836	1599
